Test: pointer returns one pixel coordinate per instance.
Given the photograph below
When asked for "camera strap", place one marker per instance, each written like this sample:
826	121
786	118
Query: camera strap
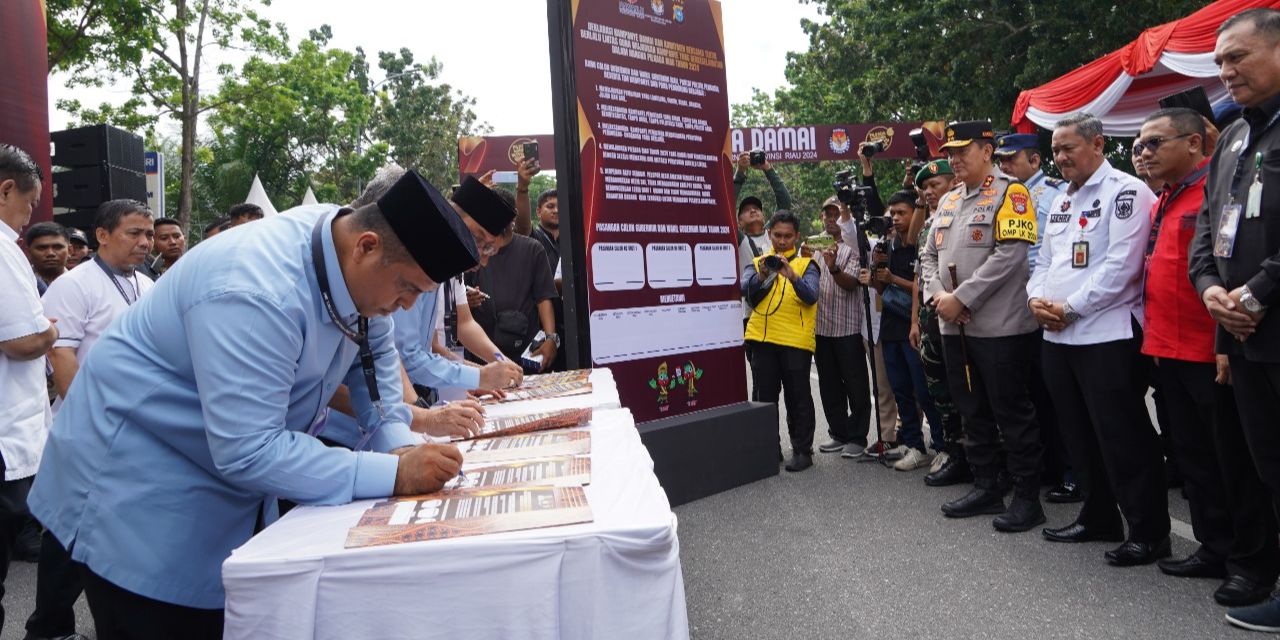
360	335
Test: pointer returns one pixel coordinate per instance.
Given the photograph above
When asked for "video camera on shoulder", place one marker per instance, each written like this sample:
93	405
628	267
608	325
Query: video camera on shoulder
854	196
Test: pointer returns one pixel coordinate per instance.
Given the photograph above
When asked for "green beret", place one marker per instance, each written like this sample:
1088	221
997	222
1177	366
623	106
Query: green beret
934	168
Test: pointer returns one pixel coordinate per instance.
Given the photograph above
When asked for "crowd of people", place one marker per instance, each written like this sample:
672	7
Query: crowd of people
200	342
158	405
1025	318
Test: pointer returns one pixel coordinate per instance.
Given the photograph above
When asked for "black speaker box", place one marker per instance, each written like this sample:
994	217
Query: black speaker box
95	145
88	187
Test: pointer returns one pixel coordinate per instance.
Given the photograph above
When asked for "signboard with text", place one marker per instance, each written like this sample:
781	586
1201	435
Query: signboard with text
657	221
806	143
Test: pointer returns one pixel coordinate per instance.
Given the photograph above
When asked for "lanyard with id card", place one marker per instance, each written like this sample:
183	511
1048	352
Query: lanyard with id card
1224	241
1080	248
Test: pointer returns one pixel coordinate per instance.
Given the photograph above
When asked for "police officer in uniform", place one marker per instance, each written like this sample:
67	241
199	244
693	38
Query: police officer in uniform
1087	294
984	227
1019	156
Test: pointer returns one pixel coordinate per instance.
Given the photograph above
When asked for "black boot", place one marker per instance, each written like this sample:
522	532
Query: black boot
954	471
984	499
1024	510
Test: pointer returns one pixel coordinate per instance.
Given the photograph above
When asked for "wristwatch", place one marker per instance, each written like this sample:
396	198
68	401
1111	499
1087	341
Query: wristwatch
1249	302
1068	314
554	337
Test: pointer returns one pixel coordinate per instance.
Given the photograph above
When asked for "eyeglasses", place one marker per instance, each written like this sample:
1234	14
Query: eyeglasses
1152	144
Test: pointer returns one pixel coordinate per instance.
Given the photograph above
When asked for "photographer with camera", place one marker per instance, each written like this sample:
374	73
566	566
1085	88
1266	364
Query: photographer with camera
782	288
893	275
974	270
753	242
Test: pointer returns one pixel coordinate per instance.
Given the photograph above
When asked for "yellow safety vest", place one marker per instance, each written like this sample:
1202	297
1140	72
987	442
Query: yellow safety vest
782	317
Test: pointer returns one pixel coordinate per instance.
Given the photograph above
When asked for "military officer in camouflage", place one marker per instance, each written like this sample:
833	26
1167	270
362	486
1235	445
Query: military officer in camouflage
984	227
950	467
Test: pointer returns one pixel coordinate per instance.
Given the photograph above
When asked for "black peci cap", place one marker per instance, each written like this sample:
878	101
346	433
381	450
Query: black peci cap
429	228
483	205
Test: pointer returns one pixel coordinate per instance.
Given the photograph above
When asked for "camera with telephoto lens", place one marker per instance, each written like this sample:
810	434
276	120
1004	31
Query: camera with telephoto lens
854	196
871	148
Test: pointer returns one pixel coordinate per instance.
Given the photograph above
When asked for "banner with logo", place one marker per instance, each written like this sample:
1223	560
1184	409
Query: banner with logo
806	143
654	176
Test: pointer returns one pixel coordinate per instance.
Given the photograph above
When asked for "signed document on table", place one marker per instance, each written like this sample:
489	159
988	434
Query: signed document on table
468	512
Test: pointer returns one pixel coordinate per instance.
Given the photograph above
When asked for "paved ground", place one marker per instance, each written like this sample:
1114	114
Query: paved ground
855	550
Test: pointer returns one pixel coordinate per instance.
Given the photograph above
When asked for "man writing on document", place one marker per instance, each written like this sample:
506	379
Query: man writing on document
172	446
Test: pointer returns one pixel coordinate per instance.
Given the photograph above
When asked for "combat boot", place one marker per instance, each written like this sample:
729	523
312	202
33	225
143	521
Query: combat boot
1024	510
985	498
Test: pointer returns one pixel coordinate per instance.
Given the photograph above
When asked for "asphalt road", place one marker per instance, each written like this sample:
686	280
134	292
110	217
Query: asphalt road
852	549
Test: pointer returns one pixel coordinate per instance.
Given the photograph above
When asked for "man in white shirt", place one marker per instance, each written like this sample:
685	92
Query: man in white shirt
1086	291
25	336
85	302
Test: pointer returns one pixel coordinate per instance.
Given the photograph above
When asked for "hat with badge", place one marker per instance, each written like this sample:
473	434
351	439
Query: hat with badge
77	236
484	206
1015	142
831	202
428	227
933	168
959	134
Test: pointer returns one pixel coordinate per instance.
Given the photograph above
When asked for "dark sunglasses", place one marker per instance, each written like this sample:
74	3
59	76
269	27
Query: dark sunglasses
1152	144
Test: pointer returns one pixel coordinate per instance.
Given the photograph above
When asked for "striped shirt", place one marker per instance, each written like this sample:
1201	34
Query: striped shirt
839	310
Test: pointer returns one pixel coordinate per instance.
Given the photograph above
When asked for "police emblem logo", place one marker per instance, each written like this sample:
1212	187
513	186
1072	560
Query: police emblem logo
976	235
981	217
951	134
1066	205
1019	201
839	141
1124	204
933	168
658	7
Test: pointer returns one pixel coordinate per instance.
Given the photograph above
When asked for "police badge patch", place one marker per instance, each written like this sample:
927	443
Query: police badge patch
1124	204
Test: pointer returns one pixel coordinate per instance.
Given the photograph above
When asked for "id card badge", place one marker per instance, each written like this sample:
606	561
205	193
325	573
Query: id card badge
1224	242
1080	254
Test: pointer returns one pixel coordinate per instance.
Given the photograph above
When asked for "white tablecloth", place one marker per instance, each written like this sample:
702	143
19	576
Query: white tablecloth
616	577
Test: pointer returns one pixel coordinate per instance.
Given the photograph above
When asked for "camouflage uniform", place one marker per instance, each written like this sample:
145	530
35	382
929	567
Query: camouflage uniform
935	370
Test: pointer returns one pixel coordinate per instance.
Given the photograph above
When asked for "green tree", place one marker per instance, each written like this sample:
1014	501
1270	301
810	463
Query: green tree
160	46
295	122
419	120
951	59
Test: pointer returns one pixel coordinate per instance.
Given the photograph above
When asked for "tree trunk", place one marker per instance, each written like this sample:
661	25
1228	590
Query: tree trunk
189	119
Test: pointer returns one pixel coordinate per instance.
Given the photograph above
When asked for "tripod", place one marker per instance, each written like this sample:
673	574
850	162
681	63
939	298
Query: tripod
864	257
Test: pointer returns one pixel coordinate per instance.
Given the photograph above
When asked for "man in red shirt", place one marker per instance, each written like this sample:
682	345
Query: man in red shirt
1231	513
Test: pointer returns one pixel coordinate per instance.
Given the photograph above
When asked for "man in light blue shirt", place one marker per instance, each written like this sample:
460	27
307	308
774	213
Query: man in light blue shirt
190	419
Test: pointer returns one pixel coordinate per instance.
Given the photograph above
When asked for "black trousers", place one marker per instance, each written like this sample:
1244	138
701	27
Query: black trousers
999	403
774	368
1231	510
1055	453
58	586
842	386
1099	391
123	615
13	515
1257	391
